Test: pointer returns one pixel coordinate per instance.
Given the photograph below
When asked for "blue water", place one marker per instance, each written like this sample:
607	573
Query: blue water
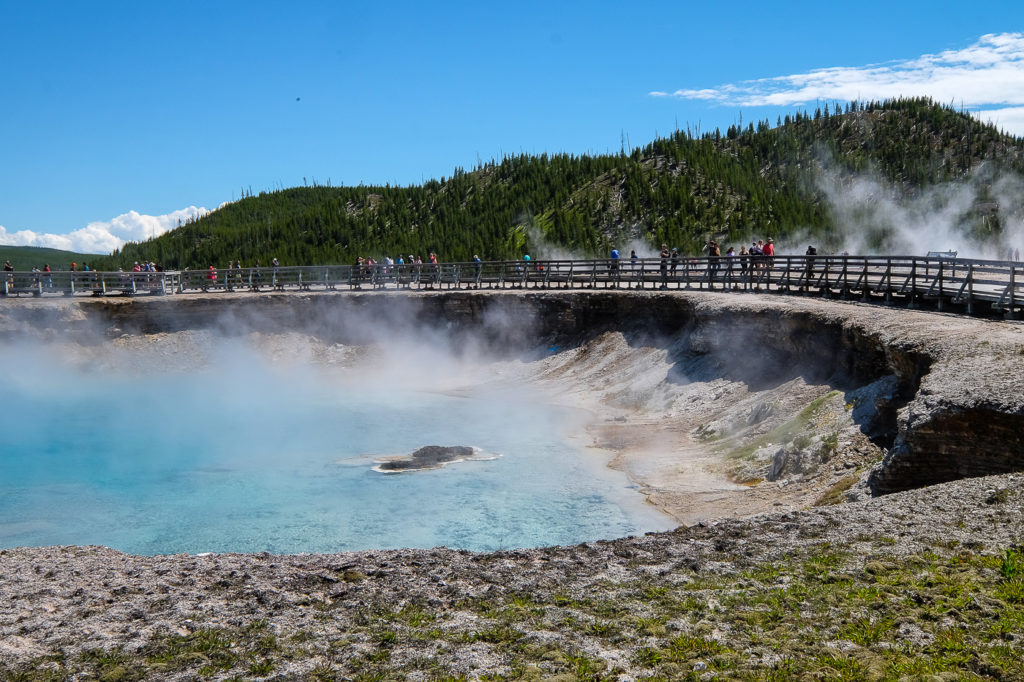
254	459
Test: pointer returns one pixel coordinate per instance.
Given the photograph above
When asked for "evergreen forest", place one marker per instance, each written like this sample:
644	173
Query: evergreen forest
764	179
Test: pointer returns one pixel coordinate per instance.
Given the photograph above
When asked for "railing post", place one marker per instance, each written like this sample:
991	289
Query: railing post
970	289
866	288
913	282
939	304
1010	313
887	280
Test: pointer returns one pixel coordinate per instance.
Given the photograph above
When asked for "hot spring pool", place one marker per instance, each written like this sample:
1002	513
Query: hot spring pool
251	459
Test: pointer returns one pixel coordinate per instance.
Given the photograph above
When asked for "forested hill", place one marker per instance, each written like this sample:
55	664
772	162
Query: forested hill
762	179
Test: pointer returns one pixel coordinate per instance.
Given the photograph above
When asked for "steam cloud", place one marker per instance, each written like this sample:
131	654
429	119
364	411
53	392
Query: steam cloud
979	217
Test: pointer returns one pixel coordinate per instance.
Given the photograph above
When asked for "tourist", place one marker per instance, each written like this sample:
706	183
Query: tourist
665	254
614	267
714	256
810	253
755	257
769	253
674	261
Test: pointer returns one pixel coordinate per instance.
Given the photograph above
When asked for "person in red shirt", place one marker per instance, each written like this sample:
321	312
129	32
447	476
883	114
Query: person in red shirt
768	251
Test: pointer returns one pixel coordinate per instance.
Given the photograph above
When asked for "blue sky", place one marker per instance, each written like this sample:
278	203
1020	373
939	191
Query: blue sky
117	119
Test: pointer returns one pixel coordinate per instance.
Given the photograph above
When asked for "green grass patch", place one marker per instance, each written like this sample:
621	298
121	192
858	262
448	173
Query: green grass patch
834	495
786	432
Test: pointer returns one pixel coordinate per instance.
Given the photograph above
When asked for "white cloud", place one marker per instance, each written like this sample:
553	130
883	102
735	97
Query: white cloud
987	75
105	236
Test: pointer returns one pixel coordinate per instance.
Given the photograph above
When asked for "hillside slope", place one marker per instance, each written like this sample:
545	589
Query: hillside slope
28	257
759	180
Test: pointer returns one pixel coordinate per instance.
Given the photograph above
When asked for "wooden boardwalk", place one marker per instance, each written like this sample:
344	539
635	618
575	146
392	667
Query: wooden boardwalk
958	285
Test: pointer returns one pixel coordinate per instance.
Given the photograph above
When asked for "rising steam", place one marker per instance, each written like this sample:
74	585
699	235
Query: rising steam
981	216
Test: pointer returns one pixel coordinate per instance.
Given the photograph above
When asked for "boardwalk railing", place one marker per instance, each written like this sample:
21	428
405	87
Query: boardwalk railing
89	282
908	280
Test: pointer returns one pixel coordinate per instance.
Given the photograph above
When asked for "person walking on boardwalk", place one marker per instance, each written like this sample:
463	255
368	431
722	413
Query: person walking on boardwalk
714	256
665	255
811	252
769	253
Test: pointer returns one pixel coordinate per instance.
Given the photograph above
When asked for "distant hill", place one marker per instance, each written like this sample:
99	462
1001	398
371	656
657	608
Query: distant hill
28	257
762	179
